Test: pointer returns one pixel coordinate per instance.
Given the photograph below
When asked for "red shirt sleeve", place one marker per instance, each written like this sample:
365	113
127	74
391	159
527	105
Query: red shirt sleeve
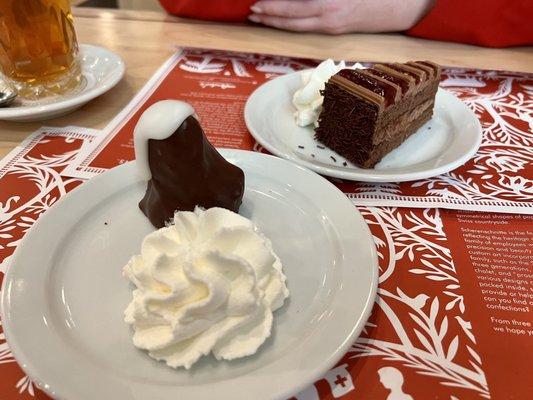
492	23
214	10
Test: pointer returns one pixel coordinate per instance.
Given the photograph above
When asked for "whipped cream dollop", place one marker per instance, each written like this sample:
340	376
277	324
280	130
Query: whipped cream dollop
307	100
207	283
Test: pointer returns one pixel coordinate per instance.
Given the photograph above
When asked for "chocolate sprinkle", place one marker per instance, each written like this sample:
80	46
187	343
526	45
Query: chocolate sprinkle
312	155
333	158
320	147
345	163
301	147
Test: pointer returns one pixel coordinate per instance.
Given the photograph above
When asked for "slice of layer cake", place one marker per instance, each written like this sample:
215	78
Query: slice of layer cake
367	113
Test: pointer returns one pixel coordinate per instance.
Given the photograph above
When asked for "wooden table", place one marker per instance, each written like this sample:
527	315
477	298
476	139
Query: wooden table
146	39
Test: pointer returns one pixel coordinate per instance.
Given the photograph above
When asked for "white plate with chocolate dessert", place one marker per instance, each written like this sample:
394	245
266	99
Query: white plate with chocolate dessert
64	296
372	125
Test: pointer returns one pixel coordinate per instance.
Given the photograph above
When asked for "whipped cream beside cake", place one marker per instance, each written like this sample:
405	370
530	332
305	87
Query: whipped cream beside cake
209	282
307	100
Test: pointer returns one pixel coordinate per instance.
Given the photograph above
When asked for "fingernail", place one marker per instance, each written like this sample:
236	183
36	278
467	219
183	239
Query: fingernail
254	18
256	9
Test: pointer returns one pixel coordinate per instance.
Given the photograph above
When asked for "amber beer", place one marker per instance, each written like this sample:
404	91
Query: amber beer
38	47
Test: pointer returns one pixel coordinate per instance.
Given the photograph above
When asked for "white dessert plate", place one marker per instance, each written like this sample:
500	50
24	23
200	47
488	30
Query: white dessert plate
444	143
63	296
101	68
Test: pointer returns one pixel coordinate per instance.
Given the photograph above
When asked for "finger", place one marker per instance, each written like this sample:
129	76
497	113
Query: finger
289	9
290	24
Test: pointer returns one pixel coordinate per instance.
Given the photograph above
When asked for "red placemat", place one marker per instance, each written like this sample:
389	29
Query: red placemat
453	315
498	178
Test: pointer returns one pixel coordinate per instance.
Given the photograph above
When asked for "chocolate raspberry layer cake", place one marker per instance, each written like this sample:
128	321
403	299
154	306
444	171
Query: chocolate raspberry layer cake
367	113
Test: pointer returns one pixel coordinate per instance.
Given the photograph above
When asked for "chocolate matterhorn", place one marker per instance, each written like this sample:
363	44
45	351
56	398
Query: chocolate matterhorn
182	168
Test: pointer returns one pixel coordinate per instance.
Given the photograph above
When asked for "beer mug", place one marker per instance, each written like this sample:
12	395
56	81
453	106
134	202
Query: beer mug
38	48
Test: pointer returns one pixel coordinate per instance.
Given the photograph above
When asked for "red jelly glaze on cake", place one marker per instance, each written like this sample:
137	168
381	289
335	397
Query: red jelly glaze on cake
404	71
435	67
388	92
402	83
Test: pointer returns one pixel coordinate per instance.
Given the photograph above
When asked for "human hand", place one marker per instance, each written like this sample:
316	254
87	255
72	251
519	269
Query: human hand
340	16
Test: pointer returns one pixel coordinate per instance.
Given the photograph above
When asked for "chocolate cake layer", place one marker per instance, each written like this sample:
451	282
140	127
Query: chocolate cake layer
380	151
394	115
420	72
347	124
398	68
368	113
436	67
404	84
383	89
430	73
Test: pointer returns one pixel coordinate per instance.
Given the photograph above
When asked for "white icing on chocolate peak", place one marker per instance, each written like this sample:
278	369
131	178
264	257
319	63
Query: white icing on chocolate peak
159	121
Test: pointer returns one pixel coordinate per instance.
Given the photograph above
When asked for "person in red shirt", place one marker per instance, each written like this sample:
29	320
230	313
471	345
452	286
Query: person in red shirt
492	23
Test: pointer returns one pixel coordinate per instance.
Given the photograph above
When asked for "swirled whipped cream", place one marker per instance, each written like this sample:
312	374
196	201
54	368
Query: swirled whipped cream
207	283
307	100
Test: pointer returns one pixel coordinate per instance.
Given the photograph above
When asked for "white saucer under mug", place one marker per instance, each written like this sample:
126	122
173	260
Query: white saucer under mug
101	68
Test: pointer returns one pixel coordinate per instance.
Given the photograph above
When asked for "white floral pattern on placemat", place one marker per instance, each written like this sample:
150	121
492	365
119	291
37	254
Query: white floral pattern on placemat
437	327
420	329
31	181
417	331
500	176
